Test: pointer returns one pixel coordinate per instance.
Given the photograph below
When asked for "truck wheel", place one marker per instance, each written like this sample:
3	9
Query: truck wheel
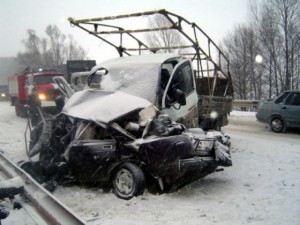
217	125
17	111
20	109
277	125
128	181
17	108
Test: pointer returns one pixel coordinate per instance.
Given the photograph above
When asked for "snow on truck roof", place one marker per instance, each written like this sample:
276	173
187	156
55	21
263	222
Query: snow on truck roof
137	59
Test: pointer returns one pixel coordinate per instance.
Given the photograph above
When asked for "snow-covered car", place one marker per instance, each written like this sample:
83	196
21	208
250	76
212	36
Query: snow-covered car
282	112
119	141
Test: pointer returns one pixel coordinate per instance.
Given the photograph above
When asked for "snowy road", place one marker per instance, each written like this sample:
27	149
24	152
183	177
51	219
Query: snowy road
262	187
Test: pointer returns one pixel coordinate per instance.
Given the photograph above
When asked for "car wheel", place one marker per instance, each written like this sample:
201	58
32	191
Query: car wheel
128	181
277	125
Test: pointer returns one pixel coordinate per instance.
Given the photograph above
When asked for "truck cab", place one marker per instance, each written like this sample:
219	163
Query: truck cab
32	82
166	80
43	84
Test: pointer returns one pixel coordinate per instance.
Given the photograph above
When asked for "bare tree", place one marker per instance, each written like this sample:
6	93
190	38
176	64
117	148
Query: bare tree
162	38
273	32
32	55
280	32
73	50
242	48
270	38
50	52
288	14
57	46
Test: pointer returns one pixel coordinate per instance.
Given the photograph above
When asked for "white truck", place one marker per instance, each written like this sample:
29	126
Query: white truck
166	80
193	86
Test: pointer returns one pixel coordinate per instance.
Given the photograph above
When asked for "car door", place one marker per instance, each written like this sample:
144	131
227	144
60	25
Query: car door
291	109
277	106
91	152
181	81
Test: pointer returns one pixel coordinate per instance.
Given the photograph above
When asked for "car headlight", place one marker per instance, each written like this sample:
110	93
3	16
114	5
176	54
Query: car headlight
3	95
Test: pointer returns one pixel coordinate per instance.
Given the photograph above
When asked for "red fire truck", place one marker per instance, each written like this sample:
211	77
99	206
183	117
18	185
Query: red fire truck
38	81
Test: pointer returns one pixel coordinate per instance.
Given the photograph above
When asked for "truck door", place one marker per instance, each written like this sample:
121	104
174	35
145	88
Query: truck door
28	86
181	82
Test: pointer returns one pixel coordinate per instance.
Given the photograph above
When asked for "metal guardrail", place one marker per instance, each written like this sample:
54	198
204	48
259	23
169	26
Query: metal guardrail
245	104
48	206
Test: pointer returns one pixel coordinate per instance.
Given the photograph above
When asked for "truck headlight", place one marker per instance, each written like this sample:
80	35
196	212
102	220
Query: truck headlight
214	115
42	97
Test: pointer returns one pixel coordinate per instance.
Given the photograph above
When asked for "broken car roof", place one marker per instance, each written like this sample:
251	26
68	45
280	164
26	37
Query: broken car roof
102	106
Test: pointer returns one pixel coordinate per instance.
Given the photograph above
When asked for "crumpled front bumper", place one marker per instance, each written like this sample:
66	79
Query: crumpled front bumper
221	157
206	157
196	164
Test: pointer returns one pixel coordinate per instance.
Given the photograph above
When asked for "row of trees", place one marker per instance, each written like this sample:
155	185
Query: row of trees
274	33
50	52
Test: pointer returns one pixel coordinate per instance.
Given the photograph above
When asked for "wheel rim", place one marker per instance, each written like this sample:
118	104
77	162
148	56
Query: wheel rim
124	182
277	125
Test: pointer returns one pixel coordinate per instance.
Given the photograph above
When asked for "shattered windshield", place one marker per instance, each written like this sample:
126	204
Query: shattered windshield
135	79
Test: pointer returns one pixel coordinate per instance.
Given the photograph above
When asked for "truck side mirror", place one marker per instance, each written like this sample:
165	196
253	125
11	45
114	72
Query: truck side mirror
90	79
96	76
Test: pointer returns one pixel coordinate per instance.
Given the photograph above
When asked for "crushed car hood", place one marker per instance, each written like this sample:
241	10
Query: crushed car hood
102	106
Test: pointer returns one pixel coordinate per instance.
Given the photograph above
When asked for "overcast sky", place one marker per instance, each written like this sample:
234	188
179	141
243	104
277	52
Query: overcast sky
215	17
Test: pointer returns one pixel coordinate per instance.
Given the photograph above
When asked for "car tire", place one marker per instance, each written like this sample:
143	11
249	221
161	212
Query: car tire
128	181
277	125
20	109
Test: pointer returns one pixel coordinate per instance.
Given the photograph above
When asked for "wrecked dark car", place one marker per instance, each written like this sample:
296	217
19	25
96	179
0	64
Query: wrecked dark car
119	141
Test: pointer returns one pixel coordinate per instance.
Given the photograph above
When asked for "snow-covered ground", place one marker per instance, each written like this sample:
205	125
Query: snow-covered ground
262	186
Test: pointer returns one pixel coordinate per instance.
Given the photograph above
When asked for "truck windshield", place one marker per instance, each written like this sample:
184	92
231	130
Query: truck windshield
43	79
